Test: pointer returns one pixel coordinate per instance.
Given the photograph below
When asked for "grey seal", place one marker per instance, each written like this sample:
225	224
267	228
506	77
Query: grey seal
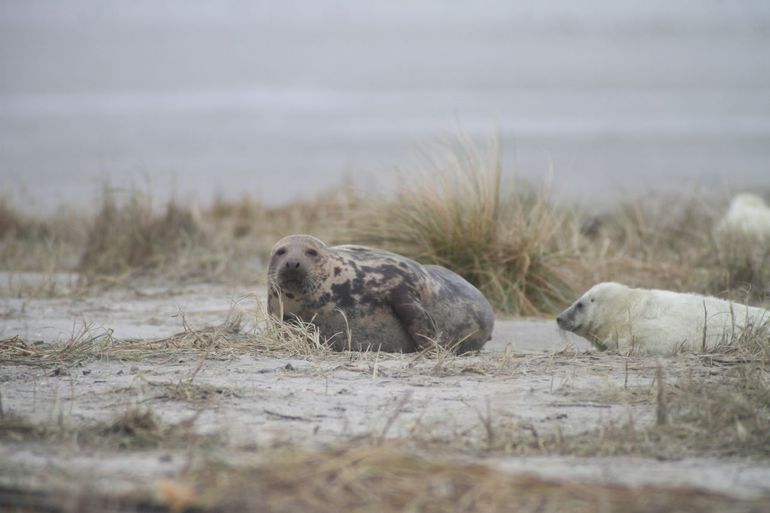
362	298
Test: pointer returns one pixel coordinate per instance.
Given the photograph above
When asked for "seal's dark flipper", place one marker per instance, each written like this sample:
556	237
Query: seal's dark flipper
409	311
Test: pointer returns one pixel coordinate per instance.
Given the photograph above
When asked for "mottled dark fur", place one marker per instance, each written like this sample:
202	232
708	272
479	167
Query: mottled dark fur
367	299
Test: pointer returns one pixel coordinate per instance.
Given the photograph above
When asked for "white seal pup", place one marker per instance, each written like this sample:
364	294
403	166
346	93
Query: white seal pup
649	321
748	215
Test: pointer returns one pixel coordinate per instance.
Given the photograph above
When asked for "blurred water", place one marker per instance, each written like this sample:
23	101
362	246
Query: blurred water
281	99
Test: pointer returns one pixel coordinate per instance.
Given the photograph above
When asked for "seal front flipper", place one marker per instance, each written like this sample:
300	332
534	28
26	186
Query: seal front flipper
408	309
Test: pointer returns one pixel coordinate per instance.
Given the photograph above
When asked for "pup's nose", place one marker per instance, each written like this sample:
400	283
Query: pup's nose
292	264
560	320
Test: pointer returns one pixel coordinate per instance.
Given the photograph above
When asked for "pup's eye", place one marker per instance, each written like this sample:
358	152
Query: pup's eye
281	251
311	252
579	305
593	299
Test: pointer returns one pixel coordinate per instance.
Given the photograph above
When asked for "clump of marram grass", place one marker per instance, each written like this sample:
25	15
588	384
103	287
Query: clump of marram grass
14	224
48	245
132	238
458	216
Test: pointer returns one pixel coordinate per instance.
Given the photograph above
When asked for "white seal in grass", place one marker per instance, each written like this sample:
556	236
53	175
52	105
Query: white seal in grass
648	321
748	215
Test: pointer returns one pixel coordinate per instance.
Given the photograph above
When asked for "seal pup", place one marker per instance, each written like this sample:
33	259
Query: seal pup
650	321
748	215
362	298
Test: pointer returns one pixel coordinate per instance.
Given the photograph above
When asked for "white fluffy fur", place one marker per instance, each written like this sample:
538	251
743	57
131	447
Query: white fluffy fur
624	319
748	214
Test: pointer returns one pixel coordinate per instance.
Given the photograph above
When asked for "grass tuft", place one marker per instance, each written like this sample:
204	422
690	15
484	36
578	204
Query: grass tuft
15	224
47	245
135	429
130	237
457	215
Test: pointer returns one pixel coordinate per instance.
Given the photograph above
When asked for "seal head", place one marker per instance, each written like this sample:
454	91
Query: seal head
297	265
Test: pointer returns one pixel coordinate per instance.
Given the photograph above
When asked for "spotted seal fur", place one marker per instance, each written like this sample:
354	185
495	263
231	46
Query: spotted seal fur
362	298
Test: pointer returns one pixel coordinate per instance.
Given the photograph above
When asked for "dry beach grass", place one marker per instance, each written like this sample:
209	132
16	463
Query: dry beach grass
529	253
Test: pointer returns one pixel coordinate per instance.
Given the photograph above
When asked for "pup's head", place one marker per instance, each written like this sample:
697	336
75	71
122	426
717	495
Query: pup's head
585	315
297	264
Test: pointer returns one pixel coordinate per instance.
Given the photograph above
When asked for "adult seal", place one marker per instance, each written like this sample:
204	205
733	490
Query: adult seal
361	298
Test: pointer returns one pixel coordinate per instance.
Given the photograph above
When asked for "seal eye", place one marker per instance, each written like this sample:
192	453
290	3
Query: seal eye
579	305
281	251
593	299
311	252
